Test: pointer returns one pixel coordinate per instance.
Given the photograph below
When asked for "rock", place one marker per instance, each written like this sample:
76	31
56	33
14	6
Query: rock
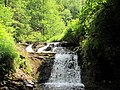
29	85
4	88
3	83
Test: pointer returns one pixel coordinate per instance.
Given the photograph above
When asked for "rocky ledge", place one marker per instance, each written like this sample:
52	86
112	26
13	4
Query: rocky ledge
40	64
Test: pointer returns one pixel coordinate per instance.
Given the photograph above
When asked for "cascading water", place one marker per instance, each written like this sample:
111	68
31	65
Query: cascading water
65	74
29	48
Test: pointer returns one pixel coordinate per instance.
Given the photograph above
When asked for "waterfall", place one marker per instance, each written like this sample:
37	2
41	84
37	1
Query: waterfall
29	48
42	49
65	74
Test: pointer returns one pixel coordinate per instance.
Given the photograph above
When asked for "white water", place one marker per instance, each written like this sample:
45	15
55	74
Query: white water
42	49
29	48
65	74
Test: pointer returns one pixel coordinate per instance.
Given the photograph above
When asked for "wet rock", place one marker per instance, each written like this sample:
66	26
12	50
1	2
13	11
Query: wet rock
4	88
29	84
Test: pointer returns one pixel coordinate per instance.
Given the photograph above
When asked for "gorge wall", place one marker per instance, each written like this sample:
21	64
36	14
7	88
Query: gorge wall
100	59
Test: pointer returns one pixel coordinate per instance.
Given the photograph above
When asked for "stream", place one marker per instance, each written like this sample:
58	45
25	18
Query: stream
65	74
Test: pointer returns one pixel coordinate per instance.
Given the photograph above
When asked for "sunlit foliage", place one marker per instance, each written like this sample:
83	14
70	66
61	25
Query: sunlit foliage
8	53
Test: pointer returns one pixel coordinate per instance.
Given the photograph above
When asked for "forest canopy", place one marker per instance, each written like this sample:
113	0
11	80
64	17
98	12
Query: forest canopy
39	20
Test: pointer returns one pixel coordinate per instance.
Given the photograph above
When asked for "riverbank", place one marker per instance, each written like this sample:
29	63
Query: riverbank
39	70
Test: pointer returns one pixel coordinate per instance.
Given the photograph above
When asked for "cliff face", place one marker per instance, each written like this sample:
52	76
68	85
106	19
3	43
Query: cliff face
100	62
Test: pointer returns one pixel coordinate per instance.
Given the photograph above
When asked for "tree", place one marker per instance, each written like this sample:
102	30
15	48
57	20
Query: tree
70	9
45	18
21	20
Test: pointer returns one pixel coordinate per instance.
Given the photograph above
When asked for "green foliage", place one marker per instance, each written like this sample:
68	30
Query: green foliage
74	6
21	20
6	15
34	36
45	18
8	52
66	15
75	31
54	24
87	18
100	46
91	42
22	31
69	9
35	9
57	37
23	64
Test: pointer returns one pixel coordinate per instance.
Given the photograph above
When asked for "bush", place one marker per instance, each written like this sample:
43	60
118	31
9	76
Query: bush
7	52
